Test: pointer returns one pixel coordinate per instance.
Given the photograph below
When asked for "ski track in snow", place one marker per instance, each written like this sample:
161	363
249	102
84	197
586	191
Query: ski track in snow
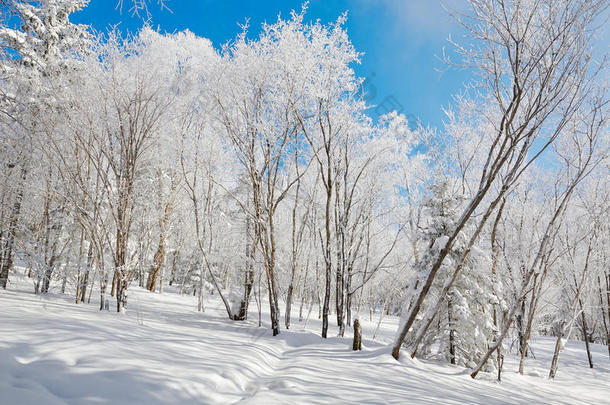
162	351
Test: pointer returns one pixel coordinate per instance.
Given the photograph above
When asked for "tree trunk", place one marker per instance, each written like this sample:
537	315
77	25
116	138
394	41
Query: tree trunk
79	281
327	258
381	315
562	331
525	337
340	268
113	284
417	305
451	330
555	360
305	295
120	271
50	266
153	274
6	262
86	276
103	285
608	311
304	300
494	264
242	315
64	280
159	257
357	343
348	303
585	333
288	306
172	275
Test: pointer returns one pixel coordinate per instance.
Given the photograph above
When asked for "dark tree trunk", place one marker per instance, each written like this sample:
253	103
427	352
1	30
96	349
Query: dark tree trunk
585	333
520	329
251	244
357	344
50	267
242	315
339	284
327	257
451	330
87	270
326	302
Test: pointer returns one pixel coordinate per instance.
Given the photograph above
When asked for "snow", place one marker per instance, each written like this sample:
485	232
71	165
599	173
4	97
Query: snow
440	243
162	351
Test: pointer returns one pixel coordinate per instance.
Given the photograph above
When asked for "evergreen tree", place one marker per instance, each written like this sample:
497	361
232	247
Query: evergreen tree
462	328
33	68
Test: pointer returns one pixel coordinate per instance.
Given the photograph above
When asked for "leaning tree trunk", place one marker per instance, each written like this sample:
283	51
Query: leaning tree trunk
539	256
558	345
494	264
555	360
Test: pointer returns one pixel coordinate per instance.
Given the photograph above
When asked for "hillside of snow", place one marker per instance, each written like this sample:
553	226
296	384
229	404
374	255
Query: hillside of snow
162	351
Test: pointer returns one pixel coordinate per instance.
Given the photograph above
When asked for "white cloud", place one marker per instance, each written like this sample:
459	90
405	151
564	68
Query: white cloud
426	20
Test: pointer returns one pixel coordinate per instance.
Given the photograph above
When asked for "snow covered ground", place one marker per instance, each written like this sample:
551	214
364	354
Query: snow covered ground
162	351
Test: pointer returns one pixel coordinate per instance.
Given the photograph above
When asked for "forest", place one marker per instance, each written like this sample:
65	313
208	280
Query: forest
254	175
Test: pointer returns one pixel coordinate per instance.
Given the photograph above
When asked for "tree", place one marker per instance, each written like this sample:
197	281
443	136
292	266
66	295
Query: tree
326	113
134	91
534	65
582	149
44	46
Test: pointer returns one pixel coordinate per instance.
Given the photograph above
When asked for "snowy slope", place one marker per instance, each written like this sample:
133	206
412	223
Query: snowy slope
162	351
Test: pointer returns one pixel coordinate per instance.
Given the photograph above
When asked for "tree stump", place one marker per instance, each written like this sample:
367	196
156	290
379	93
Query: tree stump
357	345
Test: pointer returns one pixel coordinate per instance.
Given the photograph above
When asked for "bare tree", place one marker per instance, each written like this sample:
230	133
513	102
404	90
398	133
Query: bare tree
582	150
535	67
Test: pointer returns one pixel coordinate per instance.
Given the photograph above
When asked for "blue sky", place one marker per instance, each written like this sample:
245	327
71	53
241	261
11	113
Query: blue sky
400	40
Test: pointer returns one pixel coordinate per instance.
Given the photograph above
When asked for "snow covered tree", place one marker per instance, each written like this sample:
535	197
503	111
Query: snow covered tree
40	56
524	107
463	328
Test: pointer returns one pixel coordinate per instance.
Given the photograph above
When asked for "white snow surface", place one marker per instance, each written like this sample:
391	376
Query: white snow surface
162	351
